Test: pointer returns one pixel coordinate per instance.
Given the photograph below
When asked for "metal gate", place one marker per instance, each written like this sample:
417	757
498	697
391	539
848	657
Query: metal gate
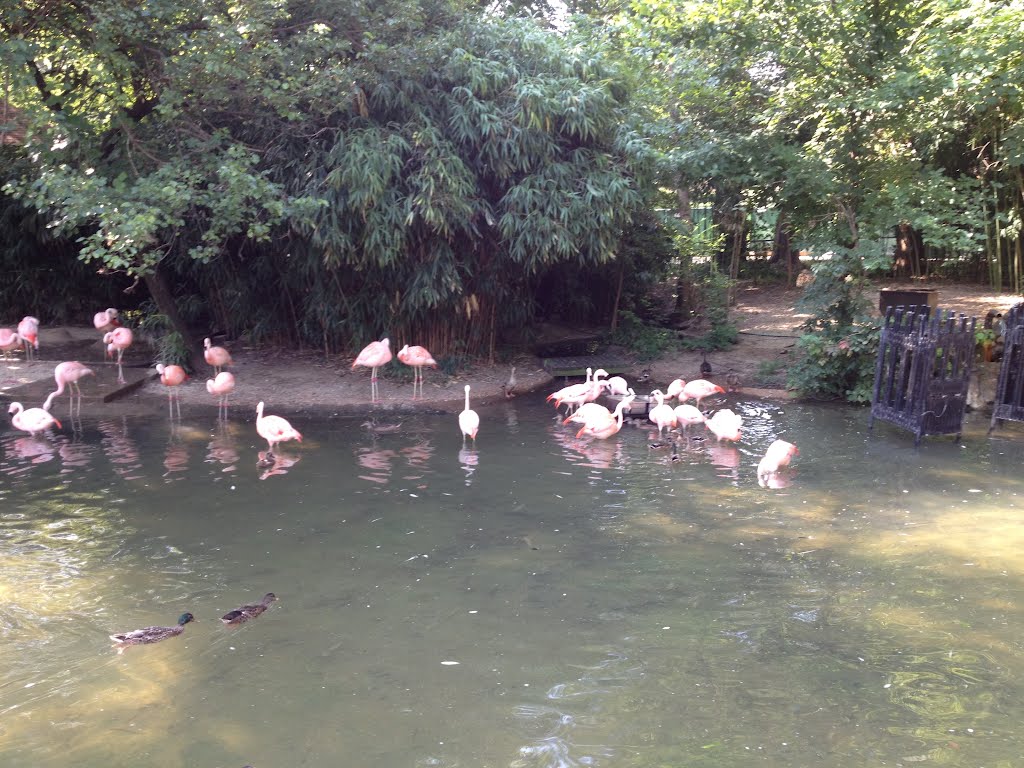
1009	402
924	366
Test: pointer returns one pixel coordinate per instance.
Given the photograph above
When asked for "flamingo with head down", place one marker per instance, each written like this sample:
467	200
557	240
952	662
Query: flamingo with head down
33	420
274	429
603	427
67	374
218	357
778	456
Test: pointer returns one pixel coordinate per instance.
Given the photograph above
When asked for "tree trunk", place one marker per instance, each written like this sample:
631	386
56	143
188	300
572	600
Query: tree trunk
783	250
909	247
164	300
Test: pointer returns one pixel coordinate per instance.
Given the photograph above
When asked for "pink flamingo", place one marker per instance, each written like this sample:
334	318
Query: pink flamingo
9	341
274	429
106	320
587	413
118	340
778	455
688	415
416	357
698	389
172	376
675	389
373	356
725	425
221	386
67	374
218	357
469	421
28	329
606	426
617	385
662	414
33	420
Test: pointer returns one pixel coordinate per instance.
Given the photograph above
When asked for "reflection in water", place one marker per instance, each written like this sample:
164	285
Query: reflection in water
520	610
276	463
223	448
32	449
120	448
175	455
469	458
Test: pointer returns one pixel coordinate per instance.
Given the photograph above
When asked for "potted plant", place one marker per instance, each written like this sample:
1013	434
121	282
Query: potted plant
986	339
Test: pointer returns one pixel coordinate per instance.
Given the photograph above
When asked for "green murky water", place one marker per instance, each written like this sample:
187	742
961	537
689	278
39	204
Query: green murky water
539	602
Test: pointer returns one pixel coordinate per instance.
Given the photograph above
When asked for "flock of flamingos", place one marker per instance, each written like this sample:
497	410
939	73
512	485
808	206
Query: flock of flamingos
597	421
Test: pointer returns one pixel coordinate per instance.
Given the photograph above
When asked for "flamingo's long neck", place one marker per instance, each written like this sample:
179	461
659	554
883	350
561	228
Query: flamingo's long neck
467	398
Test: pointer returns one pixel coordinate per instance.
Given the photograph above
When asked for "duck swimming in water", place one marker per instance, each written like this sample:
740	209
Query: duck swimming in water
150	634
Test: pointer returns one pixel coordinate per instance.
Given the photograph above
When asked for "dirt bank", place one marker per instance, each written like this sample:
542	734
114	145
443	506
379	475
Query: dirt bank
295	381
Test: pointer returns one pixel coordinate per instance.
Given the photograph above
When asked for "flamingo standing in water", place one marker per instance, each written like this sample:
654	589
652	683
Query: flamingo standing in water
604	427
469	421
688	415
662	414
725	425
9	341
416	358
218	357
675	389
172	377
778	455
33	420
67	374
274	429
28	329
698	389
118	340
373	356
221	386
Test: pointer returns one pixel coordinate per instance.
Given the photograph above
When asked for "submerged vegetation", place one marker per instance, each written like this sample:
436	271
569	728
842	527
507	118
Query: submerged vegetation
324	173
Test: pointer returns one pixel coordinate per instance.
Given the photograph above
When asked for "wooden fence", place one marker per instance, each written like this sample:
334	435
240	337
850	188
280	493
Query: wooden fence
924	366
1009	402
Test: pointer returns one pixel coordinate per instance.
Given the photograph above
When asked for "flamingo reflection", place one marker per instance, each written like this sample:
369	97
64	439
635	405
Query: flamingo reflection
223	448
275	463
378	461
469	458
727	458
120	448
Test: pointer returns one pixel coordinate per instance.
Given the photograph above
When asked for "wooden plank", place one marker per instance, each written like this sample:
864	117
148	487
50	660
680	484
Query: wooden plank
577	366
128	388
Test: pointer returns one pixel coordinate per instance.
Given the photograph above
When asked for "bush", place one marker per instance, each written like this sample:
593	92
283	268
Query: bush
839	345
645	341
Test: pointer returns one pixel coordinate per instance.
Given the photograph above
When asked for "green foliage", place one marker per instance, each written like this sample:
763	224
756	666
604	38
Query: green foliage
645	342
713	288
839	346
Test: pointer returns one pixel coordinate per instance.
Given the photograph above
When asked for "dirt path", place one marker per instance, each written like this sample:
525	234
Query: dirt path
291	381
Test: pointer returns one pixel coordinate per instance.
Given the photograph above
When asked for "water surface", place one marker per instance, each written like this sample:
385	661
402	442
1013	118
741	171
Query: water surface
535	601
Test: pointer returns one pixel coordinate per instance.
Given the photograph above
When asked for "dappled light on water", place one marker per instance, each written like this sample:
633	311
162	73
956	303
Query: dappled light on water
536	599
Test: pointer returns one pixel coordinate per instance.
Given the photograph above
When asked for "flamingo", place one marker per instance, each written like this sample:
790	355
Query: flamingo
778	455
9	341
274	429
588	412
416	358
587	394
725	425
221	386
698	389
688	415
605	427
28	329
106	320
662	414
218	357
172	376
119	339
570	390
67	374
675	389
373	356
469	421
617	385
33	421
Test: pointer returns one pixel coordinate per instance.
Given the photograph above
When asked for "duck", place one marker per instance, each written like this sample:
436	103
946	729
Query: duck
245	612
151	634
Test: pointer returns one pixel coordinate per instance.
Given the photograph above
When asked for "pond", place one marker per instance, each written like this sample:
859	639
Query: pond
537	601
